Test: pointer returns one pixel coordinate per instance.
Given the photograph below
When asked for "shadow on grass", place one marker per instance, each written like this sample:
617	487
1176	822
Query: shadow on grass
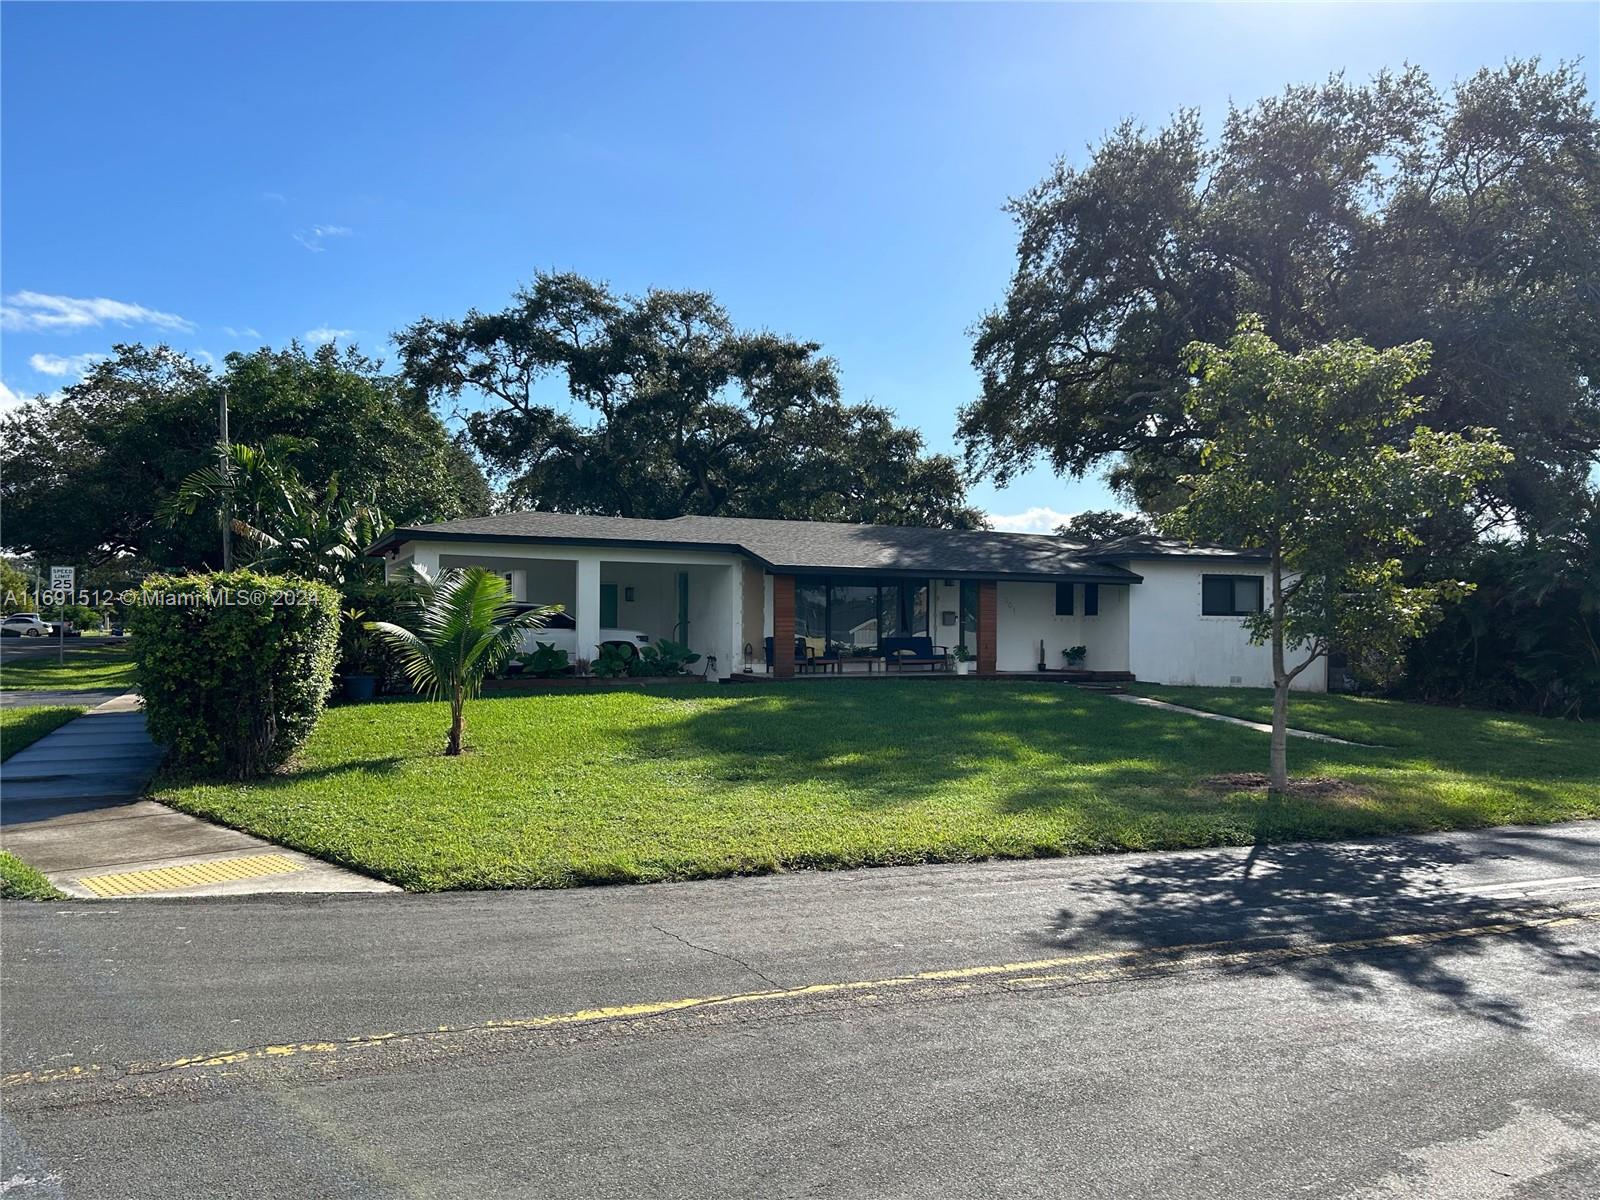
1322	893
1027	748
1131	776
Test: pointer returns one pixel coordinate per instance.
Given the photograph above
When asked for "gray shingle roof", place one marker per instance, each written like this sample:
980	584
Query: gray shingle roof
801	546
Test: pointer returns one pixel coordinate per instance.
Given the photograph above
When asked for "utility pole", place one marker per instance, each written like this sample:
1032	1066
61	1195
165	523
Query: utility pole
227	495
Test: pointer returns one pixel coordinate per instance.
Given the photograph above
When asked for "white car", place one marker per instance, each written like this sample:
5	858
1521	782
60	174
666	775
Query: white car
561	632
25	625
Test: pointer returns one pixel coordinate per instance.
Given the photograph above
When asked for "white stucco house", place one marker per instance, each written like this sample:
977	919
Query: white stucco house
801	598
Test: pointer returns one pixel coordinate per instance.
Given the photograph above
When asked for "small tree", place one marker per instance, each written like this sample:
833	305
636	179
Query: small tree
467	626
1310	459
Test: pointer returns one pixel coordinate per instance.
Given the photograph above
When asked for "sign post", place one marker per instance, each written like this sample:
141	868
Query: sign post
62	581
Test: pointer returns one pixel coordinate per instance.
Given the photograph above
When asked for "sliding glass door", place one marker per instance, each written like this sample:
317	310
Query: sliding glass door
852	615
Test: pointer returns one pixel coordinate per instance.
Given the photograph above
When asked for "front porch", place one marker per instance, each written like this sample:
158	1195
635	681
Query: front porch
749	622
616	595
856	624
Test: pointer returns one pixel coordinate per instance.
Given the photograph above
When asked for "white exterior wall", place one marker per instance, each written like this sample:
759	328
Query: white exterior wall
1027	614
1171	642
571	576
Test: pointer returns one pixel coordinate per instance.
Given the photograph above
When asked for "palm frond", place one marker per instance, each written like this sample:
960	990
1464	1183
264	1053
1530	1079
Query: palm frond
466	627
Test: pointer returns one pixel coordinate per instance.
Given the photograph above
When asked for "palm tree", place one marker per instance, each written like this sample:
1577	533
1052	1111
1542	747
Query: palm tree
286	525
467	627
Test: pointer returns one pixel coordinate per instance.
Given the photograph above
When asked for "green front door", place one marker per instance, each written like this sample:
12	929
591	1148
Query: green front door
608	606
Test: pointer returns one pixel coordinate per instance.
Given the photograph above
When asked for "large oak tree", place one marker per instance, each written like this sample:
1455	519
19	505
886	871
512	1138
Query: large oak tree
583	400
1391	212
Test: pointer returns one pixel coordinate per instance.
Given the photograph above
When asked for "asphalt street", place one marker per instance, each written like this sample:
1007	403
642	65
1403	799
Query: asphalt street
1415	1017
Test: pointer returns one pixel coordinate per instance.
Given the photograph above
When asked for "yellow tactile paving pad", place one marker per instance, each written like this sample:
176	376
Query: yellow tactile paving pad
163	879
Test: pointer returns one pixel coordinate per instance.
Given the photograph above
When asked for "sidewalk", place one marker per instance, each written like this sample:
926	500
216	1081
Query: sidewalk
34	698
70	805
1258	726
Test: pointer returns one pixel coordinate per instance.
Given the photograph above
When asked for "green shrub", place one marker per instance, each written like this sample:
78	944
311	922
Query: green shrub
234	668
664	657
614	662
545	661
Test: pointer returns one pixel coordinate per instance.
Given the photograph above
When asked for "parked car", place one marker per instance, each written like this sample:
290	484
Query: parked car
25	625
561	631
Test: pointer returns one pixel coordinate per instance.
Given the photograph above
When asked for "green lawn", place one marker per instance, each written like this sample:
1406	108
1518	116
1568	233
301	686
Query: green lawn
19	881
83	671
21	727
674	783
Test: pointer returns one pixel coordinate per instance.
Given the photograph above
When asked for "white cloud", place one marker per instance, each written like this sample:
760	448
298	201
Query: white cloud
324	334
313	238
75	365
32	312
1038	519
246	332
11	400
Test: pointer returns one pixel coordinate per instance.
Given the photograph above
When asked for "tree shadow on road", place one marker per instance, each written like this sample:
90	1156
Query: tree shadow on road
1331	893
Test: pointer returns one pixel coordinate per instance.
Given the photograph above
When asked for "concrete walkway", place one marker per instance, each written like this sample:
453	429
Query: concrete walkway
1258	726
57	698
70	805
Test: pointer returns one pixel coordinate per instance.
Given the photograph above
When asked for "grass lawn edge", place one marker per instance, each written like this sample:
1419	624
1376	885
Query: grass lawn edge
564	791
19	881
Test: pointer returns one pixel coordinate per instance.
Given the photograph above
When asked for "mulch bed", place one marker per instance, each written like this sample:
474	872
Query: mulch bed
1255	781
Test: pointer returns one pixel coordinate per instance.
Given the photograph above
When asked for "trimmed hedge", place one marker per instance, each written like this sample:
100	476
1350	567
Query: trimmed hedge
235	668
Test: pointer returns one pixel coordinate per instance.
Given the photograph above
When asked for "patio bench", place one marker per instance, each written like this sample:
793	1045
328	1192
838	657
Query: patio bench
902	652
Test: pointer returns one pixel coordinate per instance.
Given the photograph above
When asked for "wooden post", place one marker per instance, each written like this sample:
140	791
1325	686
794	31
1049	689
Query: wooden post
988	621
783	626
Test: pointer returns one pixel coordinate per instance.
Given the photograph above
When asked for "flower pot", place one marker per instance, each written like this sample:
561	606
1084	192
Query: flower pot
963	667
360	687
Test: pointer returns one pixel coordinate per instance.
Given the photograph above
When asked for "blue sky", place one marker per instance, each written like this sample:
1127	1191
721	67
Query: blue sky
231	175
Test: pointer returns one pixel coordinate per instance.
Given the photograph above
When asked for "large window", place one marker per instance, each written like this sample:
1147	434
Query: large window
1230	595
810	608
851	615
855	617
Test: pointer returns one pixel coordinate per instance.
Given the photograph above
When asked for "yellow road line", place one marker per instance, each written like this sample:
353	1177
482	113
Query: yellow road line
165	879
1120	964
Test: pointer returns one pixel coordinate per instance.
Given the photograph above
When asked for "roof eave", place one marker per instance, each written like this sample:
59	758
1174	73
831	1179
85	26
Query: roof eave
1113	575
398	537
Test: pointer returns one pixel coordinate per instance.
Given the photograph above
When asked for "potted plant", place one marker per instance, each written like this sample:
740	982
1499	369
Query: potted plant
1043	666
963	660
358	656
1075	656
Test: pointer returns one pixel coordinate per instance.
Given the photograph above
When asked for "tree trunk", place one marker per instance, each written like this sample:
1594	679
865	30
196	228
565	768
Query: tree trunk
457	720
1279	770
